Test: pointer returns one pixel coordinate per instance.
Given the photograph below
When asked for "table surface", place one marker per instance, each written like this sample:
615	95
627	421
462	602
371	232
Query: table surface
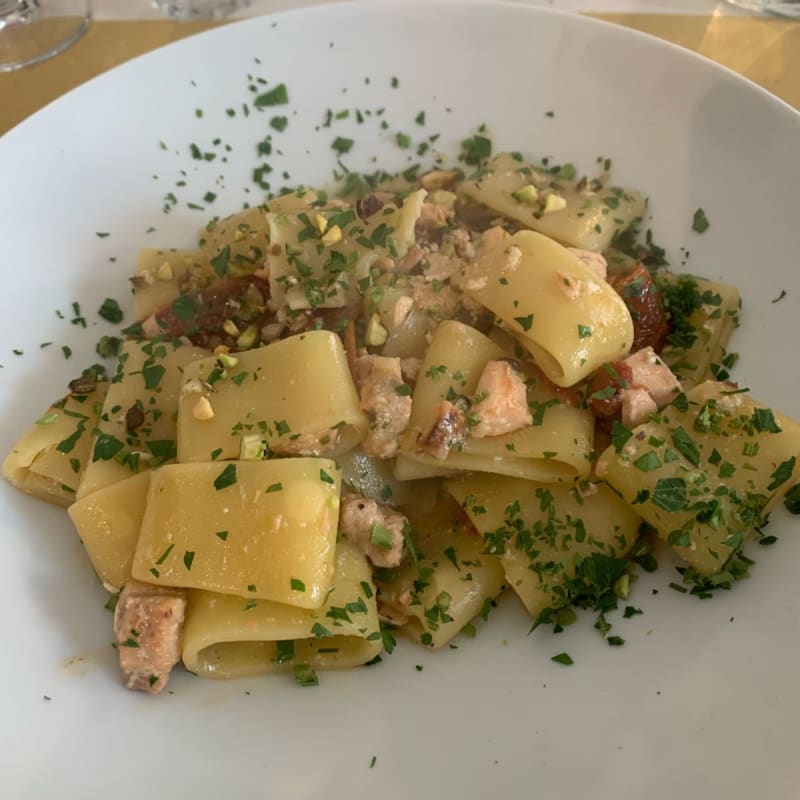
765	50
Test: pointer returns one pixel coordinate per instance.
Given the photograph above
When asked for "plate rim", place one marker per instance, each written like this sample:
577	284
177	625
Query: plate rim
391	7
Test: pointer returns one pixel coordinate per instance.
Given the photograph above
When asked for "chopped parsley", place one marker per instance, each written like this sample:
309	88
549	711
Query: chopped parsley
305	675
670	494
700	223
381	536
524	322
342	145
782	473
779	297
275	97
110	311
475	150
648	462
226	478
792	500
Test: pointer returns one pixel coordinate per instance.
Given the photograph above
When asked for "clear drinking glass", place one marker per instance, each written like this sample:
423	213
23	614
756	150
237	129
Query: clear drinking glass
781	8
34	30
197	9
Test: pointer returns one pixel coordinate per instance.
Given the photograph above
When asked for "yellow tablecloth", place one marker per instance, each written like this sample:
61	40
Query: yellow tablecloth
765	50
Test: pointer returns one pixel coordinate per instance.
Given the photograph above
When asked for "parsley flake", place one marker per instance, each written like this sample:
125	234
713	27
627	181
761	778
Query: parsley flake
342	145
110	311
670	494
700	223
305	675
275	97
648	462
782	473
226	478
381	536
524	322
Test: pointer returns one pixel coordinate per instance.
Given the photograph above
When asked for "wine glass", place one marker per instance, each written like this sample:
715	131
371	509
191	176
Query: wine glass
34	30
198	9
780	8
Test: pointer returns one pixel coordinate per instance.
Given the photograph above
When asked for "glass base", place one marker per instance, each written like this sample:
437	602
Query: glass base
35	30
780	8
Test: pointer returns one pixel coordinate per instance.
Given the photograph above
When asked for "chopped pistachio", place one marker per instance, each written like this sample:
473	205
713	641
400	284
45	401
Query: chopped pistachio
320	223
554	202
332	236
248	338
229	326
528	194
252	448
443	198
622	586
227	361
376	333
202	409
164	272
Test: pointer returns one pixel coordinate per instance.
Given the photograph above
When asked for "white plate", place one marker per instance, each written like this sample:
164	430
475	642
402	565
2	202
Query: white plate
702	700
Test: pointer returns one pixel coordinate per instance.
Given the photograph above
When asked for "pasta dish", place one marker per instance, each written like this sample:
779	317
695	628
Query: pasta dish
344	417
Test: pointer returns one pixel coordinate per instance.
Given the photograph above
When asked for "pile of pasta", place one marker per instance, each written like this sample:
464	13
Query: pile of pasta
343	417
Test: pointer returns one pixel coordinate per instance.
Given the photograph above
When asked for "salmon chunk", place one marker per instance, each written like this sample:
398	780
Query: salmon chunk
652	386
449	430
148	625
501	404
375	528
378	379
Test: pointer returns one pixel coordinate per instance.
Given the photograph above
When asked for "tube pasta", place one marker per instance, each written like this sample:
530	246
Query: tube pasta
297	395
570	319
238	243
556	447
227	637
541	530
256	529
482	351
108	522
317	260
712	324
432	600
407	469
589	219
159	274
705	471
49	460
146	387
